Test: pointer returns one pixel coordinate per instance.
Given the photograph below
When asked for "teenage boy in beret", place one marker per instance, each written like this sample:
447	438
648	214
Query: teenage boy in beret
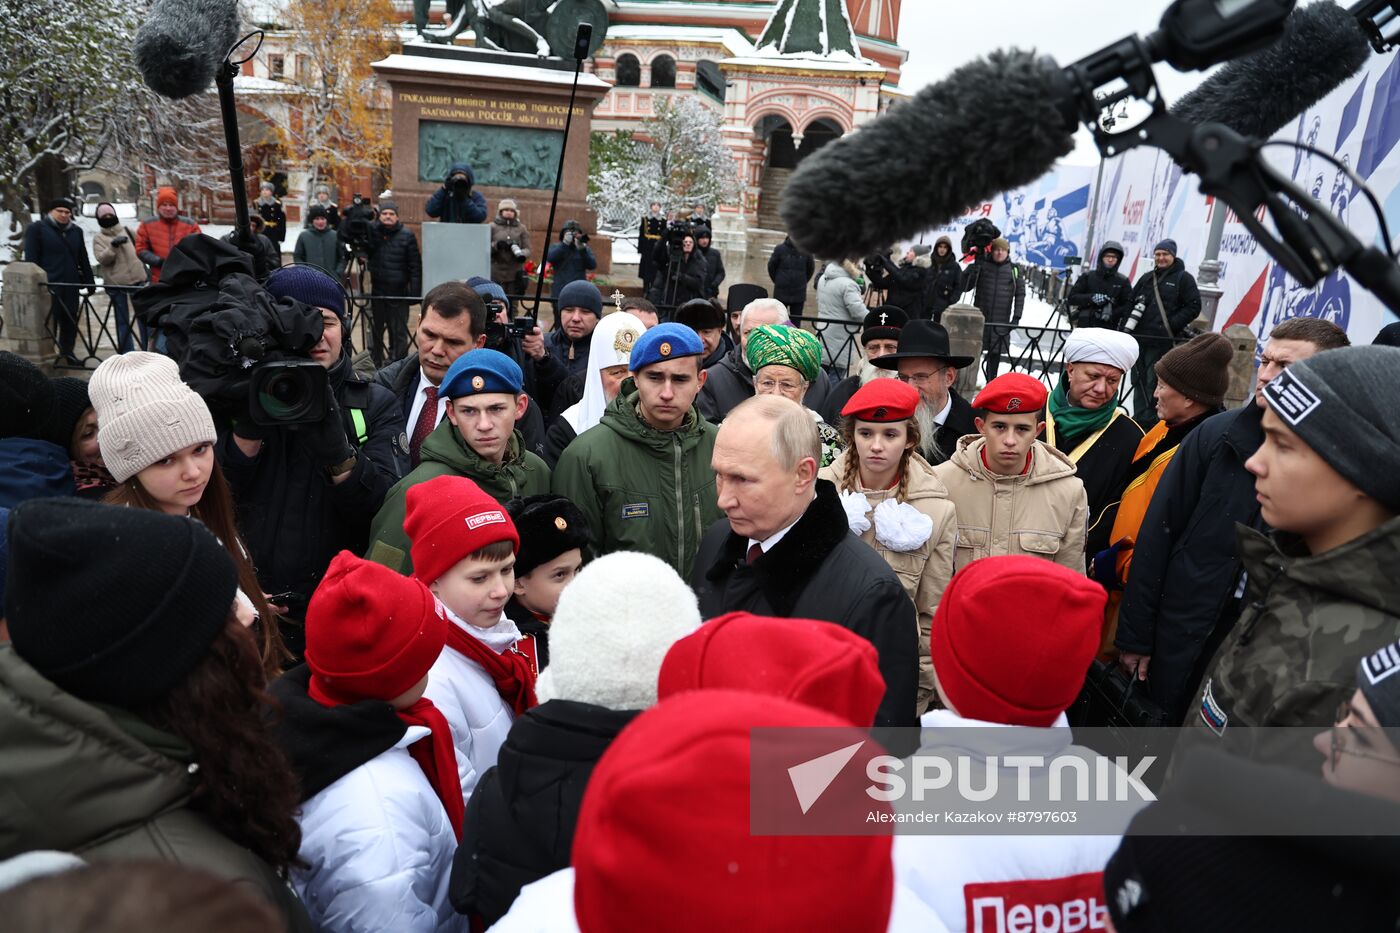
478	440
1015	494
642	474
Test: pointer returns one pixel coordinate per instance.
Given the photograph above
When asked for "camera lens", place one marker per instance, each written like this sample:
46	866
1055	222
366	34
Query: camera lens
287	395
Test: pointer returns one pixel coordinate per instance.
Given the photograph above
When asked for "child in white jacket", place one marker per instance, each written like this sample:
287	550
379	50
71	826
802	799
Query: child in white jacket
463	549
382	809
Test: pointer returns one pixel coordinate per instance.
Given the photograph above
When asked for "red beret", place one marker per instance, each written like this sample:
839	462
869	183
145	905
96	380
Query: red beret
882	400
1012	394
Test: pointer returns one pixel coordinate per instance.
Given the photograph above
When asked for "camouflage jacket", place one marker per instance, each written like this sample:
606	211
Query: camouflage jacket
1292	657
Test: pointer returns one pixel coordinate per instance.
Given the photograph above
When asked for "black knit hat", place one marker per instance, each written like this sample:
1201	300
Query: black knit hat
1332	863
700	314
114	604
26	398
548	526
70	401
1200	368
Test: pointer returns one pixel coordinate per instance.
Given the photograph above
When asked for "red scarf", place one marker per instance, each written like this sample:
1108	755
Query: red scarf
511	670
436	754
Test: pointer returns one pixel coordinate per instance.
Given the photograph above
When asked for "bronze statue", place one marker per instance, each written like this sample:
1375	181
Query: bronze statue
517	25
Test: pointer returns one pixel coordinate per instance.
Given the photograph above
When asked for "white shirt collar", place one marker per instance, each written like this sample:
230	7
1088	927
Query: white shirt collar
942	416
772	541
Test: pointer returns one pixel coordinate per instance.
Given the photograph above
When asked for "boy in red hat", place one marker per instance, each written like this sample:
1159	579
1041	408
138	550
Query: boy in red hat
463	550
996	671
1013	493
382	806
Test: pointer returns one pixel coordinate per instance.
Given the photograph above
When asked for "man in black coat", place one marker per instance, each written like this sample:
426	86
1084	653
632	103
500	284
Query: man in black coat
306	494
906	284
1184	588
785	548
1000	294
925	361
1101	298
55	244
274	218
791	270
1170	301
649	235
396	268
713	260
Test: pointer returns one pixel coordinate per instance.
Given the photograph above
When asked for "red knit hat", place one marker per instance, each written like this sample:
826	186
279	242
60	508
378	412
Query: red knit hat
449	518
997	663
1012	394
370	633
817	663
663	838
882	400
166	196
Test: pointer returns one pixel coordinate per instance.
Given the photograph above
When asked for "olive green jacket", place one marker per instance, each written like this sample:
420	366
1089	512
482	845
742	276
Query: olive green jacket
101	783
1291	659
643	489
444	453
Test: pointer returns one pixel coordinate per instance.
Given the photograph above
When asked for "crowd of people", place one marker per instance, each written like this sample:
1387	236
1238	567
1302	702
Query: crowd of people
481	644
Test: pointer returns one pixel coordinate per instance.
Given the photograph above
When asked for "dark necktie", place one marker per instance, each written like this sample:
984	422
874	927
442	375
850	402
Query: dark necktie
755	552
427	420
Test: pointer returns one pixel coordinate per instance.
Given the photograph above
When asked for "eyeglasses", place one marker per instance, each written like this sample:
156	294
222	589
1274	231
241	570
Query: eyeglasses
1344	712
768	385
919	378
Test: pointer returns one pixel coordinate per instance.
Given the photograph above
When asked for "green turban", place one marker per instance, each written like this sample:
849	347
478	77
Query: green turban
778	344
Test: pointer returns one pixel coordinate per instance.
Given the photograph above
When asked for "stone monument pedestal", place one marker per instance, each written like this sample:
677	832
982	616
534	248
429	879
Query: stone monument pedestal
503	114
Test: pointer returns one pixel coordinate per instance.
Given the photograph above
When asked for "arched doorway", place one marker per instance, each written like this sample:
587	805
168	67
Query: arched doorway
628	70
818	133
776	132
663	71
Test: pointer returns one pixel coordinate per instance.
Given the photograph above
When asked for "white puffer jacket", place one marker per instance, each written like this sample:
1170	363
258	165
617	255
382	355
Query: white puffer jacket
378	849
467	697
991	876
547	906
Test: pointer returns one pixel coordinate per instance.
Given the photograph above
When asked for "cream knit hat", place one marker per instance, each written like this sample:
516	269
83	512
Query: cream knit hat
615	622
144	412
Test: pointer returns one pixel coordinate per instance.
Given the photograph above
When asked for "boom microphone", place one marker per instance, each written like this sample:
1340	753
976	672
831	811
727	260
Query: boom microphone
182	43
1322	46
992	125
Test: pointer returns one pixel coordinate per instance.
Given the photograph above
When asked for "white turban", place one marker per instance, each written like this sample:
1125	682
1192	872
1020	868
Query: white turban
1100	345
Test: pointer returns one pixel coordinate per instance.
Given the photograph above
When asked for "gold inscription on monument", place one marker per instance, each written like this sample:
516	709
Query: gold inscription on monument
486	110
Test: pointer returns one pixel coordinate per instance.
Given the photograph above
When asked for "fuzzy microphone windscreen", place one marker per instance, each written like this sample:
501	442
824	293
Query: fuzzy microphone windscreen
181	44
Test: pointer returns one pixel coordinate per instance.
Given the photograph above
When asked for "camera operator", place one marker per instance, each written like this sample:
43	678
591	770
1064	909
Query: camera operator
681	269
906	284
455	202
1101	298
308	492
571	257
359	220
396	268
510	247
1000	296
522	340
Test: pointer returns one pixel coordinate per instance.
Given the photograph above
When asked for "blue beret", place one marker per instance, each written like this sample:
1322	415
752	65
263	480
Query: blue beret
580	294
665	342
480	371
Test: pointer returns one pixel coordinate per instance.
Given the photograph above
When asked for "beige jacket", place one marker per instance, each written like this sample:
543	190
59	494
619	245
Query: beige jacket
924	569
119	265
1042	513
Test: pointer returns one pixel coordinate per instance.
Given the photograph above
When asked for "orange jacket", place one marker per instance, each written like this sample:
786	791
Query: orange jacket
155	238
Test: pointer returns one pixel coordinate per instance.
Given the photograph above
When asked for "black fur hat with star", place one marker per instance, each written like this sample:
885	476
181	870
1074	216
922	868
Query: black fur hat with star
548	526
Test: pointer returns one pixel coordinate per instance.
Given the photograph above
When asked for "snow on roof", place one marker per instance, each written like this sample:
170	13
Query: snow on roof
733	41
254	85
482	69
820	26
805	61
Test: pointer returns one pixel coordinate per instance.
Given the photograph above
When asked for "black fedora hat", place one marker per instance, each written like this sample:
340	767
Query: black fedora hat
742	293
923	339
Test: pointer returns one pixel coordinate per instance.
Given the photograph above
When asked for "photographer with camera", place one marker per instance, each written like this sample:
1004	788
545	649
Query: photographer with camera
308	491
359	221
1000	294
455	202
906	284
1101	298
681	269
510	247
522	340
395	268
571	257
319	245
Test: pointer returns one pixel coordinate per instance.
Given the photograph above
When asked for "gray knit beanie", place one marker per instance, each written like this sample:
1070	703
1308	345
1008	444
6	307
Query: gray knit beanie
1345	405
144	412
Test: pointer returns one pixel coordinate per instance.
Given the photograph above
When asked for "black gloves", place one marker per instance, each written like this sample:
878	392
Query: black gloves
325	441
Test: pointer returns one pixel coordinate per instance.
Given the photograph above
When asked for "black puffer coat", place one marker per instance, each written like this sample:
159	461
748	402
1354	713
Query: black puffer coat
1110	283
1181	300
819	570
520	820
944	280
395	265
791	270
1001	290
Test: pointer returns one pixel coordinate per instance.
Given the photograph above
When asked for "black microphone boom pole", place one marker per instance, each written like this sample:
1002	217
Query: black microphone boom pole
223	79
582	41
